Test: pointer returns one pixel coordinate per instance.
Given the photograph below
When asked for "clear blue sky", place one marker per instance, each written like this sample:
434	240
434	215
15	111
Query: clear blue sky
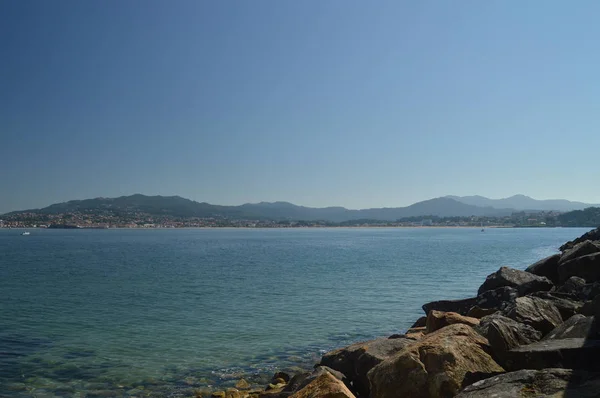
353	103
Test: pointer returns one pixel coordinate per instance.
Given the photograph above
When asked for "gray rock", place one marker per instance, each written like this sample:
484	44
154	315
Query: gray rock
419	323
592	307
575	353
577	326
593	235
572	286
497	299
547	267
357	360
504	334
586	267
301	380
536	384
566	304
580	249
524	282
535	312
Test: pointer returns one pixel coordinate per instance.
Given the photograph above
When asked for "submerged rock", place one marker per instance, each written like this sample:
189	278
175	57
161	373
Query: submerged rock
536	384
524	282
434	366
535	312
438	319
242	384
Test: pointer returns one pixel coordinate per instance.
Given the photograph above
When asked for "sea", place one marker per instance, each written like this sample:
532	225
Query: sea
170	312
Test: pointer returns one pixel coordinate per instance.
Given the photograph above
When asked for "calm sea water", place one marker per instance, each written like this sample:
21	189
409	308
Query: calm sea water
143	312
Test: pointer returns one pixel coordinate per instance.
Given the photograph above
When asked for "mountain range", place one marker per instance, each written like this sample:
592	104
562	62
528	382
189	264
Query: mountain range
176	206
522	202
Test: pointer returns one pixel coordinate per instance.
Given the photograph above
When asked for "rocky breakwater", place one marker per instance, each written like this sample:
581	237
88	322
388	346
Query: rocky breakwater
529	333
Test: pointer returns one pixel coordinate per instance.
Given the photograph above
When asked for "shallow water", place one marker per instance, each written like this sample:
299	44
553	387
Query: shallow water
162	312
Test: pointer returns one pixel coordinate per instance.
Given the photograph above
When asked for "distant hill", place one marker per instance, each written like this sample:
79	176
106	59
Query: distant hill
522	202
176	206
589	217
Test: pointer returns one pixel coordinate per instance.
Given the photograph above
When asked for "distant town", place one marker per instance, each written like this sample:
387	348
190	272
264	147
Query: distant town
97	220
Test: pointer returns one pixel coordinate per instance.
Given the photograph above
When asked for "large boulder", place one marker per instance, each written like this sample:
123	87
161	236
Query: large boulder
581	249
493	299
577	326
524	282
357	360
324	386
577	287
433	367
438	319
536	384
575	353
504	334
593	235
535	312
566	304
586	267
547	267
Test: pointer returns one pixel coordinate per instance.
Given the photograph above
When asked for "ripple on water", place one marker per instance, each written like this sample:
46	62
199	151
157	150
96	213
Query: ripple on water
93	313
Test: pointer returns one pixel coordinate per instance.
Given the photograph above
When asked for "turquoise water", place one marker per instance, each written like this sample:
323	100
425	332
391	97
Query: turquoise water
143	312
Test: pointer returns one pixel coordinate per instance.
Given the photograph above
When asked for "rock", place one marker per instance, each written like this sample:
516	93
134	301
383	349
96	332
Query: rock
524	282
564	303
438	319
275	386
478	312
233	393
504	334
592	307
297	381
281	375
218	394
586	267
324	386
580	249
434	366
422	321
460	306
536	384
535	312
357	360
497	299
547	267
575	353
593	235
578	288
578	326
301	380
242	384
415	333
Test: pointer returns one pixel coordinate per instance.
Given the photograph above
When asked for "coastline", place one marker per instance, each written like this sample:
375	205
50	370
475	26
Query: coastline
477	343
192	380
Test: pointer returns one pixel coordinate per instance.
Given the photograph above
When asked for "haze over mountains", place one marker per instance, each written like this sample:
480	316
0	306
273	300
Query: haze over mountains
175	206
522	202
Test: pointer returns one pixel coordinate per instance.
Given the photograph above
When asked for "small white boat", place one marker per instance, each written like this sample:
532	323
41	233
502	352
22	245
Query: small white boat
26	233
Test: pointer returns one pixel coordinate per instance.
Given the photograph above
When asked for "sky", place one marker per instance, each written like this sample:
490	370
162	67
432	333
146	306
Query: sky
338	102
